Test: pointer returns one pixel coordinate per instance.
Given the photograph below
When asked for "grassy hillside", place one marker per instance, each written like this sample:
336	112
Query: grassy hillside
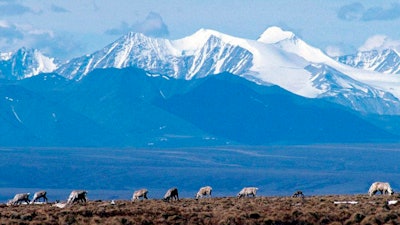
259	210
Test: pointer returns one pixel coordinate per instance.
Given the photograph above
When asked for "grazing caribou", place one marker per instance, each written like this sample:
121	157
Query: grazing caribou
139	193
77	196
247	191
38	195
298	194
19	198
172	194
382	187
203	192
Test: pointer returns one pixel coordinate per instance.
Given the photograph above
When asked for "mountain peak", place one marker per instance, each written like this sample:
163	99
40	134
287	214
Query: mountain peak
275	34
206	33
25	62
196	40
203	35
135	35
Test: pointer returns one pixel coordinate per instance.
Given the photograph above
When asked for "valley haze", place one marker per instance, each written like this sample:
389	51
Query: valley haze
114	173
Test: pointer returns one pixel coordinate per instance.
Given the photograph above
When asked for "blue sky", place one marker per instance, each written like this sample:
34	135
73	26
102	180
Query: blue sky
71	28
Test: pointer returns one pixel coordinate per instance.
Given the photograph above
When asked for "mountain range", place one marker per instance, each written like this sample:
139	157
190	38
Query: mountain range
207	88
384	61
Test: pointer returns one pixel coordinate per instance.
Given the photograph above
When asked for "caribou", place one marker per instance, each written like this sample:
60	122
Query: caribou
203	192
139	193
247	191
38	195
382	187
172	194
19	198
77	196
298	194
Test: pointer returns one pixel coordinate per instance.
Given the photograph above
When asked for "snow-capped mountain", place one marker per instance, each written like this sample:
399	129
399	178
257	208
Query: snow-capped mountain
278	57
194	57
383	61
351	93
207	88
24	63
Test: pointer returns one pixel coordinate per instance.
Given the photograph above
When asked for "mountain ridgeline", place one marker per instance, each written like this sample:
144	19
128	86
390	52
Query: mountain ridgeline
386	61
205	89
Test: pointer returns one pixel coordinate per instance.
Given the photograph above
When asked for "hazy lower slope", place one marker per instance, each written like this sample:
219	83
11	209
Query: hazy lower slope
128	107
239	110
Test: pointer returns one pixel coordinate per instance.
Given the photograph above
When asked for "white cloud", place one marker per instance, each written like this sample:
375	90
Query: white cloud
379	42
4	24
29	29
333	51
15	36
357	12
153	26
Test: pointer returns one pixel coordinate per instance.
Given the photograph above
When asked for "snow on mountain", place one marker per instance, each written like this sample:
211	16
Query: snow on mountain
24	63
179	59
289	42
351	93
383	61
278	57
5	55
373	92
203	53
275	34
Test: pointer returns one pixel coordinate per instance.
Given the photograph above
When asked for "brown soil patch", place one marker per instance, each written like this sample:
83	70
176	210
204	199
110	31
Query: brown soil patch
229	210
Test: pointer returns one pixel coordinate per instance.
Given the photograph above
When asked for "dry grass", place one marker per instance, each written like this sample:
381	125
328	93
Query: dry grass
259	210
